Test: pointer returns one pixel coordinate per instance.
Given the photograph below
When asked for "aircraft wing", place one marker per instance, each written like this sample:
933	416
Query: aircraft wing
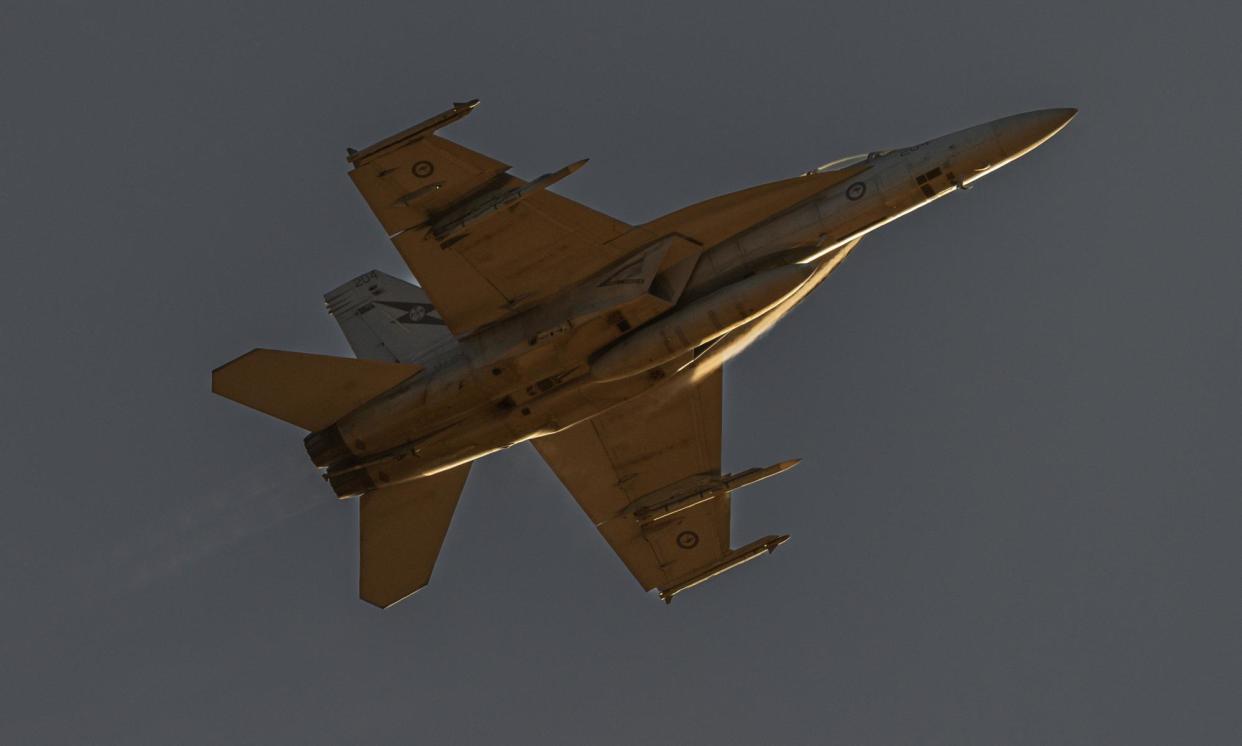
482	243
647	474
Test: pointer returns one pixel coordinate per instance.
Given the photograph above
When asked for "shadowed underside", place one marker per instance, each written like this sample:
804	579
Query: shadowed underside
541	319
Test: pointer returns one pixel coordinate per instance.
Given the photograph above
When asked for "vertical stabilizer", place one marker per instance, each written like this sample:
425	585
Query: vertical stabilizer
384	318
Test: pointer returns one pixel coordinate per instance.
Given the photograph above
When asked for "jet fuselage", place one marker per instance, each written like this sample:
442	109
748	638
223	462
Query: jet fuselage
550	367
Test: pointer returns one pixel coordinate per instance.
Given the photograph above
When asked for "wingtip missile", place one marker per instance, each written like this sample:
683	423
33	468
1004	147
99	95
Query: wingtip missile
550	178
774	543
425	127
733	559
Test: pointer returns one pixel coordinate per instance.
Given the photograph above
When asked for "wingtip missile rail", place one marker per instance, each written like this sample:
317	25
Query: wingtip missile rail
735	558
425	127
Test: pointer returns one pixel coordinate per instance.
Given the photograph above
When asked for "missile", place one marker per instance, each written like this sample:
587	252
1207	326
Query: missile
700	321
459	110
733	559
549	179
658	512
750	476
510	198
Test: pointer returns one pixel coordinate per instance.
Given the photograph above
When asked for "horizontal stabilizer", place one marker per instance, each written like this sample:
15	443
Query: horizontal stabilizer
401	529
310	391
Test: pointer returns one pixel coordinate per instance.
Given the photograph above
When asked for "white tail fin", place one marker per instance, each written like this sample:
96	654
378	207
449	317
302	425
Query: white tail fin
384	318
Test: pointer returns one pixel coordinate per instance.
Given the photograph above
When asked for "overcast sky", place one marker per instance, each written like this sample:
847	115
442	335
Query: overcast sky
1018	513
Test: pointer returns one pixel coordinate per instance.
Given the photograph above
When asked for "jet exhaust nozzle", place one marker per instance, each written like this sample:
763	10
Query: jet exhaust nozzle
326	447
351	483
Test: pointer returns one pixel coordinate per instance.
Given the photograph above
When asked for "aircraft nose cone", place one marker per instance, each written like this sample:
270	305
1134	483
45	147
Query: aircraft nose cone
1021	133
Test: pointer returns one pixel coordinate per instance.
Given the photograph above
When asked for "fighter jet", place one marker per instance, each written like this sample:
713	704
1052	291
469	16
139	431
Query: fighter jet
537	318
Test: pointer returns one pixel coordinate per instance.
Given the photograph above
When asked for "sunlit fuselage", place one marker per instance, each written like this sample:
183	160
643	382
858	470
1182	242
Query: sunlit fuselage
529	375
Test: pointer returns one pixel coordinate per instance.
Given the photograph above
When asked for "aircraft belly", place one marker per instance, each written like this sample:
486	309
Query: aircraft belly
800	226
493	427
740	339
469	407
537	317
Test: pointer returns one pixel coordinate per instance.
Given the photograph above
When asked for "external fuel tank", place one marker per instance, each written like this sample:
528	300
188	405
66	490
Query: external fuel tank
700	321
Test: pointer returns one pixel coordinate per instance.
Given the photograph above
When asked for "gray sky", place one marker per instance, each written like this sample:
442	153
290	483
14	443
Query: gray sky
1017	517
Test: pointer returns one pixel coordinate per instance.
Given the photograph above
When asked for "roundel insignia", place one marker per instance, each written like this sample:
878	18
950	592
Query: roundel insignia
423	169
687	540
855	191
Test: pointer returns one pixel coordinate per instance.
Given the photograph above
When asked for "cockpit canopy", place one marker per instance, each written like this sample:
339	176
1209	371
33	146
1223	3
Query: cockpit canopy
851	160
